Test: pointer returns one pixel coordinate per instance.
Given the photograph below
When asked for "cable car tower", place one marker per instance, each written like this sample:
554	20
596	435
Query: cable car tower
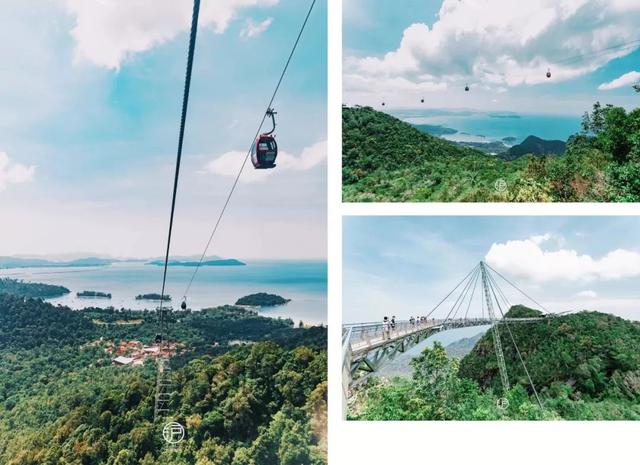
497	344
163	380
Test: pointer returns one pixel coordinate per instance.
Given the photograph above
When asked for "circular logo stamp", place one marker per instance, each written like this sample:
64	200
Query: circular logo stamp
503	403
173	432
500	185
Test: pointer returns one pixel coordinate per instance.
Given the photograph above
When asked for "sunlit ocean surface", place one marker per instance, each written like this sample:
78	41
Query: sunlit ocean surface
304	282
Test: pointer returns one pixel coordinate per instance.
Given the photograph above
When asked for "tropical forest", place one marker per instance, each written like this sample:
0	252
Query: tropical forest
582	366
249	390
387	160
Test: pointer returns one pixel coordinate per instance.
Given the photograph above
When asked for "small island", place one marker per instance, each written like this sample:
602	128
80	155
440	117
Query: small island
262	299
94	294
153	296
34	290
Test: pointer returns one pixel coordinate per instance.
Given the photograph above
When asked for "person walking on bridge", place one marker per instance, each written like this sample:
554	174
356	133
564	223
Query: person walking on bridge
385	328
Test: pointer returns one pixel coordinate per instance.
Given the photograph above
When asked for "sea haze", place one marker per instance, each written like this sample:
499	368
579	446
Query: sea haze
473	126
304	282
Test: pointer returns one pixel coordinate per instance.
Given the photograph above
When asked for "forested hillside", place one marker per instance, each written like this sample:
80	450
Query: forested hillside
63	401
585	366
385	159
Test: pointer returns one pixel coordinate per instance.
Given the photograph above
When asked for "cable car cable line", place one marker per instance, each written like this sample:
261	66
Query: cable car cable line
576	58
183	119
268	112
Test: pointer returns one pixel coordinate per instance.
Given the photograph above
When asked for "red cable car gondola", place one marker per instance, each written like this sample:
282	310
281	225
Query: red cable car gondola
265	148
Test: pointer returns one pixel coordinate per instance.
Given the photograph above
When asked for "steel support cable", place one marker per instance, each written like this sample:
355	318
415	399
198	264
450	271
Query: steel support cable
253	141
519	290
473	292
452	291
183	119
500	292
460	298
461	304
513	340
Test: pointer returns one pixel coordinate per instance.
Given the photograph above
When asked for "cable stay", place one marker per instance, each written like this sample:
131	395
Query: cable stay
493	285
454	289
520	290
262	155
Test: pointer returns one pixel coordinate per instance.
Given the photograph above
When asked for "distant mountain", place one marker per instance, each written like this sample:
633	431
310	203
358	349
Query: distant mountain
19	262
533	145
220	262
462	347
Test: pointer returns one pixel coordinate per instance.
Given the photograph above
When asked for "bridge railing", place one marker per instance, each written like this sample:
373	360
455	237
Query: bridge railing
367	334
362	335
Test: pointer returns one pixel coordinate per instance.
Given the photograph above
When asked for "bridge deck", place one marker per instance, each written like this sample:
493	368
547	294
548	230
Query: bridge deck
365	337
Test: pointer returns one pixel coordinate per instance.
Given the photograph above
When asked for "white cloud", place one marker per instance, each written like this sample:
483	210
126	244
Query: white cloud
588	293
625	80
527	259
229	163
507	43
252	29
13	173
107	32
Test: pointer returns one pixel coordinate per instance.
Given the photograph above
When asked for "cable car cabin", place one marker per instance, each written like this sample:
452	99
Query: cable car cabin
264	153
466	88
548	73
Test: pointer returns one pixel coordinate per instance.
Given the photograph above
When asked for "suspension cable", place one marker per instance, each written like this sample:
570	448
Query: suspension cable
244	162
475	284
519	290
513	340
183	119
452	291
463	296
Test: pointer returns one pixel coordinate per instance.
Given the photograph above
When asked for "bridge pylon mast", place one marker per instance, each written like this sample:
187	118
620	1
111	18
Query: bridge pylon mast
497	344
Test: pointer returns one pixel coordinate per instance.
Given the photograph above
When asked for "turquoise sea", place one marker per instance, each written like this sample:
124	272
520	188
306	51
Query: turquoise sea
304	282
473	126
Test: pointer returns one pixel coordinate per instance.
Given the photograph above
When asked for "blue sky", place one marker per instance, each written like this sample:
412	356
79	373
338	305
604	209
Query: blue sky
90	119
406	265
400	52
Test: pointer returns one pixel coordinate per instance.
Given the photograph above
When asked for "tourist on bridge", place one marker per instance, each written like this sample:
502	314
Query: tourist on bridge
385	328
412	321
393	323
